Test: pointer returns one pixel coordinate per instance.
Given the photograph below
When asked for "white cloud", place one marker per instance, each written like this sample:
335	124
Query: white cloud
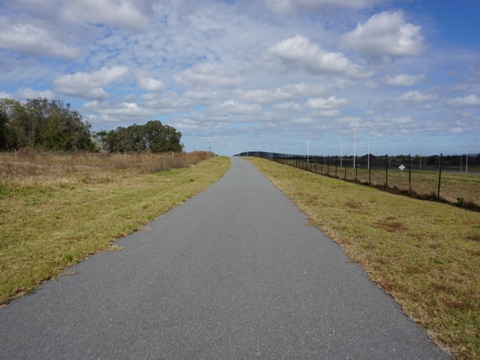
402	120
202	97
416	98
288	106
205	23
124	111
470	100
299	52
331	103
122	13
386	34
289	6
210	74
150	84
31	40
29	93
89	85
168	104
327	113
286	92
235	107
403	79
371	84
303	121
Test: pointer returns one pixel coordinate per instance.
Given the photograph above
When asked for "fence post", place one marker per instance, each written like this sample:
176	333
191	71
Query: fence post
328	164
410	174
336	161
369	170
386	170
439	175
345	163
356	168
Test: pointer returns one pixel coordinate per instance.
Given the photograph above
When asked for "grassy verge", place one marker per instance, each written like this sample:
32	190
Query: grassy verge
425	254
462	189
46	226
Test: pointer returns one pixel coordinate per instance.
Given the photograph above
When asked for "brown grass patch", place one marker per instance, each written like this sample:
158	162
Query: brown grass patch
391	225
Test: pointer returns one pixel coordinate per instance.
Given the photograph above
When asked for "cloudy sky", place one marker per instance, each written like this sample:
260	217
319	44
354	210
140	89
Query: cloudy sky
288	76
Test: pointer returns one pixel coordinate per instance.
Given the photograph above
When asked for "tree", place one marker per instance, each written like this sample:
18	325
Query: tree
3	130
101	137
17	128
161	138
152	136
44	124
432	160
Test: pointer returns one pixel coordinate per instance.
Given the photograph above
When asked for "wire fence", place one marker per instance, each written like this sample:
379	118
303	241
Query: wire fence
452	179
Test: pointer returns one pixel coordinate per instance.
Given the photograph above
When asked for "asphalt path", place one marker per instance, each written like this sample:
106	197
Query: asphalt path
234	273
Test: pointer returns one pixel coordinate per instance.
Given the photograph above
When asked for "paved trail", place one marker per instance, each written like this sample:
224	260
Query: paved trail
234	273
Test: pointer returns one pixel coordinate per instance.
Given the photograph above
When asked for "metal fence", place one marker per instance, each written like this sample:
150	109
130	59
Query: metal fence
454	179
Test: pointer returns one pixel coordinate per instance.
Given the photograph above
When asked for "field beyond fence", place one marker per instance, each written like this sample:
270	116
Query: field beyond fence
454	179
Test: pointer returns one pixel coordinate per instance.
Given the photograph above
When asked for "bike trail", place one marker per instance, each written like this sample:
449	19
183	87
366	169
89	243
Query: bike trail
233	273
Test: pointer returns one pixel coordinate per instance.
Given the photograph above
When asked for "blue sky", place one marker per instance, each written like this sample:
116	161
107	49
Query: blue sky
268	75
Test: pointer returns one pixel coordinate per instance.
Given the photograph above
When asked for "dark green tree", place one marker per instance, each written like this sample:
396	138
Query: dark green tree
153	136
101	137
161	138
45	125
4	130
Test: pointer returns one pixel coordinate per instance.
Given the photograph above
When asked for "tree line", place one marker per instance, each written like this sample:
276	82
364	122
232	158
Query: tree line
52	125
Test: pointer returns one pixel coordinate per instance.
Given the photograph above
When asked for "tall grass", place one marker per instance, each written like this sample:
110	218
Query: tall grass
28	168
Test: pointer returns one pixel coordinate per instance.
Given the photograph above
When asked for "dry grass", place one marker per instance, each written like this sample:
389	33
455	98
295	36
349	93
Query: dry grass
31	169
425	254
58	209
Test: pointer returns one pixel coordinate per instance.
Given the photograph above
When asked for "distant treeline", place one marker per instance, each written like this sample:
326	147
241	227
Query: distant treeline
52	125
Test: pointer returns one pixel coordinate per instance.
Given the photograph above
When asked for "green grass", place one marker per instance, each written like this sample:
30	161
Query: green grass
454	185
45	228
425	254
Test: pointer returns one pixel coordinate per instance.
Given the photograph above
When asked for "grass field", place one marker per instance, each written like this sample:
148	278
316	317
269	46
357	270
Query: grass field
56	210
425	254
455	187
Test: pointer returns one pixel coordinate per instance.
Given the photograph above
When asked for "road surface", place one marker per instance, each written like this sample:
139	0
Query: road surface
234	273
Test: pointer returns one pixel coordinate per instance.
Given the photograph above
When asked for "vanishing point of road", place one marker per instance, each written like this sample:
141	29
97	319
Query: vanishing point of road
234	273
